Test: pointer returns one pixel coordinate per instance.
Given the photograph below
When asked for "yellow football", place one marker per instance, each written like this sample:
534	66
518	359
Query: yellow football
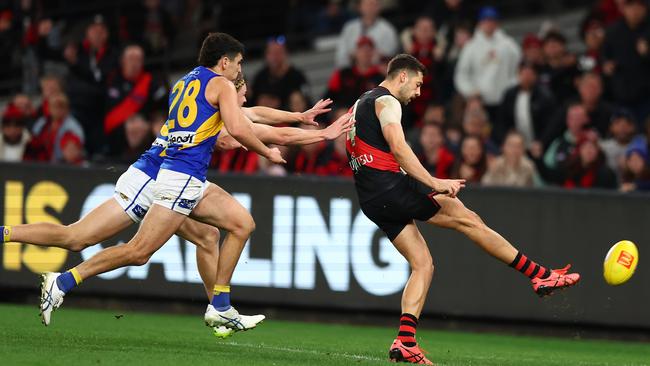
620	262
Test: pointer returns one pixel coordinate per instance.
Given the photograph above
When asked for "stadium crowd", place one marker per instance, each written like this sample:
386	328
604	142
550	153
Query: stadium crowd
492	110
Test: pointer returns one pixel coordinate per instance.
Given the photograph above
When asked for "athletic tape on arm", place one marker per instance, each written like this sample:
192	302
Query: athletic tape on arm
391	111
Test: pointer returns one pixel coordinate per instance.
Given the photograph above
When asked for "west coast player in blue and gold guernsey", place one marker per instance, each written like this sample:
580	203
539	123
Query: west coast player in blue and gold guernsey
201	103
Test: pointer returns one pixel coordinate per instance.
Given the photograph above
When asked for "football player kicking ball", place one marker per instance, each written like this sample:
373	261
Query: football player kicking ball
379	155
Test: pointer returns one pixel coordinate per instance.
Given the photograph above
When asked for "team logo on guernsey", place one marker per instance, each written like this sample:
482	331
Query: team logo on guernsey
139	211
181	137
187	204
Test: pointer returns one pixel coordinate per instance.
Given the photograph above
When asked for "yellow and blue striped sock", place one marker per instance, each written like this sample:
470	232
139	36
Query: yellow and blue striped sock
68	280
6	233
221	298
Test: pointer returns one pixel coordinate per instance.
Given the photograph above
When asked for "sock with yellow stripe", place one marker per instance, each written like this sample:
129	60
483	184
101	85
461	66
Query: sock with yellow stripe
68	280
221	298
6	233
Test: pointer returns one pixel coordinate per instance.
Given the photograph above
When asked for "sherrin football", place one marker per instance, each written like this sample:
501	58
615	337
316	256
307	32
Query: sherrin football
620	262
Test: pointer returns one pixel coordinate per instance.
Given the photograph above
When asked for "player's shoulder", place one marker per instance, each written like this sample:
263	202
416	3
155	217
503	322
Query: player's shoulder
387	99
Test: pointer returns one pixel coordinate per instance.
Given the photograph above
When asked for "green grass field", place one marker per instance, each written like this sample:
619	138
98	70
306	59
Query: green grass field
84	337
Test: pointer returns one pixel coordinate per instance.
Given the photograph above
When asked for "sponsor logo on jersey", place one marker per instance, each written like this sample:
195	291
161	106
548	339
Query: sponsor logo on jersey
181	138
139	211
357	161
187	204
160	142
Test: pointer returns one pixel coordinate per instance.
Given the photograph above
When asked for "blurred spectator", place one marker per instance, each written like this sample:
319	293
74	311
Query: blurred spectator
636	175
14	139
138	138
331	18
563	147
435	156
347	84
447	15
472	163
611	10
590	89
370	24
131	90
158	118
593	36
526	108
298	102
90	63
513	168
622	130
587	168
72	149
420	42
532	50
50	85
149	25
626	52
488	64
476	124
278	78
462	36
50	133
21	106
559	70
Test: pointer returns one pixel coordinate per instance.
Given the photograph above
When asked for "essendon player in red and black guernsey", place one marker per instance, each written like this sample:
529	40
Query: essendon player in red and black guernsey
395	189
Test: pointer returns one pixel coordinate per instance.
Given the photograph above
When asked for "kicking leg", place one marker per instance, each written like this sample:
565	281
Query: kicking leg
206	239
454	215
99	224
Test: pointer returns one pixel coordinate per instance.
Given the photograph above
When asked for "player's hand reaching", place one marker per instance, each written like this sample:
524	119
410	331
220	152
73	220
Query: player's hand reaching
319	108
450	187
275	156
342	125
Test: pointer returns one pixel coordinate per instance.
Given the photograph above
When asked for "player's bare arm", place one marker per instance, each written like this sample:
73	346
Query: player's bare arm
271	116
222	92
291	135
389	112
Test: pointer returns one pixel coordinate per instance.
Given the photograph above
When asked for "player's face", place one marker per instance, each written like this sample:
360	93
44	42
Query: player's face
241	95
411	88
232	67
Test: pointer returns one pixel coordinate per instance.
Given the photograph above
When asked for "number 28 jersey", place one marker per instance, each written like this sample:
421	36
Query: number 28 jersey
193	125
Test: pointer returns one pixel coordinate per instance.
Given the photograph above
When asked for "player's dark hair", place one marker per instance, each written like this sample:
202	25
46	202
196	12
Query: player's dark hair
404	62
217	45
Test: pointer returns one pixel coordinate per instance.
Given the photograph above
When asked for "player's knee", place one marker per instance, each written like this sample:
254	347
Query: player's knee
423	263
210	238
244	227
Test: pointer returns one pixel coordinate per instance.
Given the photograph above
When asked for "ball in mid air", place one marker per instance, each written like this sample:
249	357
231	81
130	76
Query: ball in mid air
620	262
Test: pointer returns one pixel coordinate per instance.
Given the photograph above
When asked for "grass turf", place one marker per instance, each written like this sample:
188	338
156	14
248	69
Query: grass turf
82	337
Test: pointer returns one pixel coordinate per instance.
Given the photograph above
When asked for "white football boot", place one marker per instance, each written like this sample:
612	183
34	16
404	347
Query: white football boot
231	320
51	296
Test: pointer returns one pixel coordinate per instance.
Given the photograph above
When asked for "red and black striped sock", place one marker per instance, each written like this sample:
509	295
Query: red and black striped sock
529	268
408	324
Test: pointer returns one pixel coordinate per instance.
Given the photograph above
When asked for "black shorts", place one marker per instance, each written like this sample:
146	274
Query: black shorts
394	209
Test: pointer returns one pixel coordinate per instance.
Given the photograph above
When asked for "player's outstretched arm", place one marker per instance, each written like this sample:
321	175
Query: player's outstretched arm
291	135
271	116
222	92
389	112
